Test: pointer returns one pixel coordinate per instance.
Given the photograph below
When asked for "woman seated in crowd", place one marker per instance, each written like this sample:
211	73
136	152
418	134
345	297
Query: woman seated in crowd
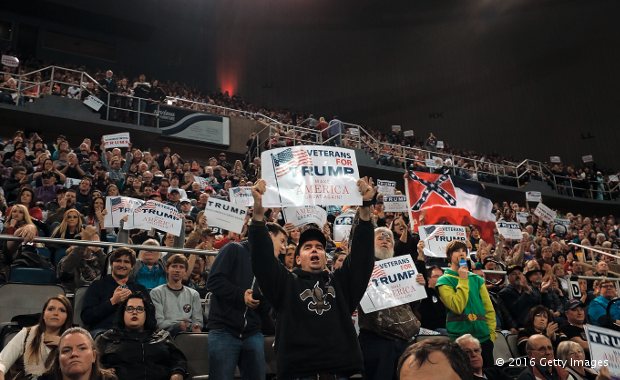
150	267
16	218
136	348
26	197
33	348
81	265
95	215
48	165
539	321
572	353
69	228
133	187
77	358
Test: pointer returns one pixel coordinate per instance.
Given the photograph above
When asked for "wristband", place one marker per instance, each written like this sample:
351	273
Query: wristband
368	203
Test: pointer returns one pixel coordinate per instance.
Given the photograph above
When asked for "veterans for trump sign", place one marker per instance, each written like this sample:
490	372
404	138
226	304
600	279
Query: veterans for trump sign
509	230
153	214
118	140
300	216
437	238
225	214
534	196
395	203
310	175
118	207
392	283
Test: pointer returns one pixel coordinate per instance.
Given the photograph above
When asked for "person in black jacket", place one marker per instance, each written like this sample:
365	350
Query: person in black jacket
104	296
136	348
314	334
234	320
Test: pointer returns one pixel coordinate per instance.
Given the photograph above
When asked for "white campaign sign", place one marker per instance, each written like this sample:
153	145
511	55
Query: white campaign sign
9	60
431	163
70	182
354	132
94	102
342	226
386	187
310	175
392	284
437	238
408	133
439	144
202	181
522	217
604	350
613	178
242	196
300	216
395	203
533	196
564	222
510	230
545	213
555	159
118	140
396	128
118	207
587	158
225	214
153	214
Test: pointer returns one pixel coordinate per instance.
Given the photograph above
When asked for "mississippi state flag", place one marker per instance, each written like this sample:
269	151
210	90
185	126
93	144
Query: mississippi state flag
450	199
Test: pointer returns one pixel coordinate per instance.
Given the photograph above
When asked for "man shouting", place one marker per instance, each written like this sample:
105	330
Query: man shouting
315	337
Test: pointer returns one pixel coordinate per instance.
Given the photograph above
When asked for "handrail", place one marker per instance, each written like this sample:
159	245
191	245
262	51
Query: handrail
594	249
135	247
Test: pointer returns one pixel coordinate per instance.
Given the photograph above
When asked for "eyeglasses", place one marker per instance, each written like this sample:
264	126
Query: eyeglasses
544	349
474	352
138	309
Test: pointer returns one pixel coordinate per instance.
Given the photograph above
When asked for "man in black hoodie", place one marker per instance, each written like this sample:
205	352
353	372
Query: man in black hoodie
315	337
235	336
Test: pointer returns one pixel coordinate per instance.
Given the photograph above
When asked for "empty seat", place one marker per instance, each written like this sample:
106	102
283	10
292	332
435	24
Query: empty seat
59	254
111	238
21	299
195	347
78	303
32	276
44	252
7	338
512	344
501	349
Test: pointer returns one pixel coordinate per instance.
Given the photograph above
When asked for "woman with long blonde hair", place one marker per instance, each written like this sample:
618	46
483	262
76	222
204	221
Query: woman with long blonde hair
70	226
38	344
16	219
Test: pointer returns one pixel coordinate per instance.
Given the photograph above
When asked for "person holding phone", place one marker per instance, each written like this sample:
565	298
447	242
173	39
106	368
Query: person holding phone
469	307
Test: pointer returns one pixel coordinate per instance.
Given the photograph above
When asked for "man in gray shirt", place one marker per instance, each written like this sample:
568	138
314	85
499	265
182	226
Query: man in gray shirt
177	307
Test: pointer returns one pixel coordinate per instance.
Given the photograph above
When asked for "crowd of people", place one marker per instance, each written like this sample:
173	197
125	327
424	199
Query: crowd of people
51	189
131	94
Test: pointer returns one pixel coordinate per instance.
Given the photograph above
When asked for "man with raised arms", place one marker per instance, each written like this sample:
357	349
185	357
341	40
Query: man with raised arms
315	337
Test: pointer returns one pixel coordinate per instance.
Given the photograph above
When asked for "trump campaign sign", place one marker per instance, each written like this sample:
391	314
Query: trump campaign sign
342	225
153	214
225	214
242	196
310	175
118	140
510	230
300	216
437	238
392	283
118	207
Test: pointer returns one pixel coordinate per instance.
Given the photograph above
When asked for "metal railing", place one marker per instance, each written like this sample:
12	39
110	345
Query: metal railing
109	245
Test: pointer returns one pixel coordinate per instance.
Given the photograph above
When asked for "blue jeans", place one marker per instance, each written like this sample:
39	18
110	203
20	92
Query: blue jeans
226	351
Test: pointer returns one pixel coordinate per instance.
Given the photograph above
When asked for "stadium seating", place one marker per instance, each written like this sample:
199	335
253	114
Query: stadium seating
33	276
24	299
44	252
195	346
7	338
77	305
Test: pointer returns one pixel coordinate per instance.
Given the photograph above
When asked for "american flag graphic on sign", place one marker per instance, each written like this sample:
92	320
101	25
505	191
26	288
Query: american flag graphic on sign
376	273
239	191
287	159
431	234
147	206
119	202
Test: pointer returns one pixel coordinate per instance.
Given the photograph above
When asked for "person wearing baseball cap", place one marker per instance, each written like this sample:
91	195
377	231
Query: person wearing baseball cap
313	305
573	328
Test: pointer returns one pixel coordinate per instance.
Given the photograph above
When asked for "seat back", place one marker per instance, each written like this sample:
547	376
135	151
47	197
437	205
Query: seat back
501	349
33	276
512	345
79	302
21	299
270	354
7	338
59	254
195	347
44	252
